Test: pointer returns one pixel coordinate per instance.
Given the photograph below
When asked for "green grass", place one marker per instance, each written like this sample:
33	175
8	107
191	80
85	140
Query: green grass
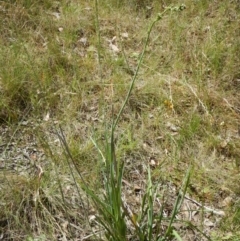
177	108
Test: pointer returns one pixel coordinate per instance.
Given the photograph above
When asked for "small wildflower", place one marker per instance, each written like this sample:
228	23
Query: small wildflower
168	104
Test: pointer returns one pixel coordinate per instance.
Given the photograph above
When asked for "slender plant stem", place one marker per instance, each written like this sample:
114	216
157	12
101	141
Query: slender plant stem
138	67
98	38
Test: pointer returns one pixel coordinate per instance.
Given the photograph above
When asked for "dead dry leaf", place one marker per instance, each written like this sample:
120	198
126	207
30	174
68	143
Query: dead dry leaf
124	35
56	14
47	116
226	202
114	48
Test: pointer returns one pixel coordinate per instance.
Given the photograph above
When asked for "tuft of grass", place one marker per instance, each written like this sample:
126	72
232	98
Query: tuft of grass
112	210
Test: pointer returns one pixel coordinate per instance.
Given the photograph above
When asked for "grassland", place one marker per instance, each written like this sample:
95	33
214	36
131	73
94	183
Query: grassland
65	70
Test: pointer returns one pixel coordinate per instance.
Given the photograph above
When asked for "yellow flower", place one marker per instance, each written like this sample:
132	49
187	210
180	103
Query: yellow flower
168	104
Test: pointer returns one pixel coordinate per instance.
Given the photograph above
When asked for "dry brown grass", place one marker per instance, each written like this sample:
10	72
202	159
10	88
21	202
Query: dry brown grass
184	109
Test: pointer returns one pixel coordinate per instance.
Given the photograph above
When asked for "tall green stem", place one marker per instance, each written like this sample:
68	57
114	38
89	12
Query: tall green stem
98	38
138	67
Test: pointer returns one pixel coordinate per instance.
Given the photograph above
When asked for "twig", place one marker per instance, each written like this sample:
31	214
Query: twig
217	212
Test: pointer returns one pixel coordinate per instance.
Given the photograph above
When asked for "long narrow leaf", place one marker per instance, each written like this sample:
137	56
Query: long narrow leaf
178	202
